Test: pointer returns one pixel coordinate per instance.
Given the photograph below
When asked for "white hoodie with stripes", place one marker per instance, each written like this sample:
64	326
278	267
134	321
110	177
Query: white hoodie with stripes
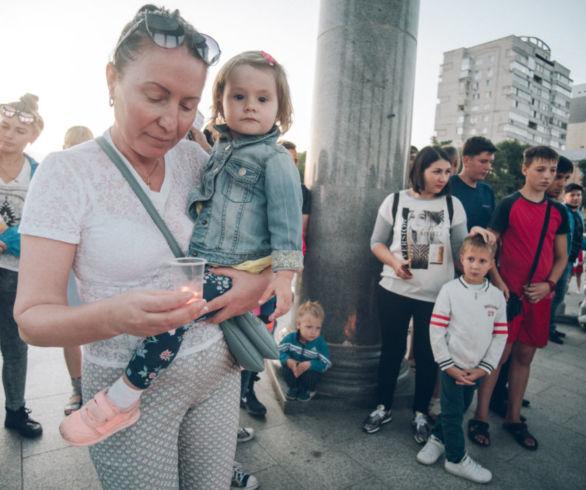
468	328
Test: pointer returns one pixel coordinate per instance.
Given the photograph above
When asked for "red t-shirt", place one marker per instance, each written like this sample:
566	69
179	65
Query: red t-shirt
519	222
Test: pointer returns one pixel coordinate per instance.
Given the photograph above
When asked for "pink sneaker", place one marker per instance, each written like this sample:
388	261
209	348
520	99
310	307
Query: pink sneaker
97	420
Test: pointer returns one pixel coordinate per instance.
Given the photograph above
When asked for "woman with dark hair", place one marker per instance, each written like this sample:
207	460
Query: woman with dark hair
20	124
82	213
425	227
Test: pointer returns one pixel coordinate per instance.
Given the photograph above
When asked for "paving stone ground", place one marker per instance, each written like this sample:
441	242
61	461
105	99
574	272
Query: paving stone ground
323	447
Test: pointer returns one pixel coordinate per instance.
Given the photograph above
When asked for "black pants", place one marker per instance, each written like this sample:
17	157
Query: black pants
395	312
306	382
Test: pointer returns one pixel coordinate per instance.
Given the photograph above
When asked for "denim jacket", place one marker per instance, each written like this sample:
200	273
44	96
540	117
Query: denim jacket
251	196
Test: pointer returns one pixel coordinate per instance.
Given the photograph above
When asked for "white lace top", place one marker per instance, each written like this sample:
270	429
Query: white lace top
79	196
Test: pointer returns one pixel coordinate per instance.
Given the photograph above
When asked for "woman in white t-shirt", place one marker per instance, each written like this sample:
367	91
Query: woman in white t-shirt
82	213
416	238
20	125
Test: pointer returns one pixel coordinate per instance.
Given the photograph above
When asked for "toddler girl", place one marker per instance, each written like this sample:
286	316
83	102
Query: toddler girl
247	213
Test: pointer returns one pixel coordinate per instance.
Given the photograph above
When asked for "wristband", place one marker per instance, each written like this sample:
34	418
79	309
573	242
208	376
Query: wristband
551	285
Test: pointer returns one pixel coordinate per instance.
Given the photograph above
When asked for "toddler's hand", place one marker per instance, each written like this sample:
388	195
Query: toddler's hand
302	367
291	364
280	287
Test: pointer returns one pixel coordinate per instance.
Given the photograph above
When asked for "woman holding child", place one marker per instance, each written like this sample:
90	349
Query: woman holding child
413	272
82	213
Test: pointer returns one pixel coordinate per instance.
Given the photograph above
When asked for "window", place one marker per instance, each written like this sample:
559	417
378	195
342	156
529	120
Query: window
488	83
488	95
532	125
489	71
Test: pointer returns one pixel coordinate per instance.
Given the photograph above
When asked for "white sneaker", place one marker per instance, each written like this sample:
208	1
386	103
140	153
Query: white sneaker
432	451
241	479
245	434
469	469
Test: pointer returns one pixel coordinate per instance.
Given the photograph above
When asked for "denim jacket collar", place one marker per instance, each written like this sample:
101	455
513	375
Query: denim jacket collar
225	135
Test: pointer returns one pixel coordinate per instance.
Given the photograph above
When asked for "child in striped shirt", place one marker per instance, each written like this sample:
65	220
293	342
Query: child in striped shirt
468	332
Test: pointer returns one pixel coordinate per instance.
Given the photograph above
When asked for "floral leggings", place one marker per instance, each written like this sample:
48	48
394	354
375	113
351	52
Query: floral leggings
154	354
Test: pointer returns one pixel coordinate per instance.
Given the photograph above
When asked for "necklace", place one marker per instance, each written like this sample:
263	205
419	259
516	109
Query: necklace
147	179
11	178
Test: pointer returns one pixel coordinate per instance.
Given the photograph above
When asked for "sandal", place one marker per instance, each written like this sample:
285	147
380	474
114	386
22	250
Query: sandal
476	429
73	404
521	434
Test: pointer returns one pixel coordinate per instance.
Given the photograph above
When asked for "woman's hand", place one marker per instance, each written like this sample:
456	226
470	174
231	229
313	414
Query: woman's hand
148	313
401	268
536	291
399	265
487	235
243	296
280	287
3	247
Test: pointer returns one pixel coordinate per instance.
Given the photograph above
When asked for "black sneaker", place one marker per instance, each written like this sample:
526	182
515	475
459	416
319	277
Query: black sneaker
20	421
556	337
253	406
376	419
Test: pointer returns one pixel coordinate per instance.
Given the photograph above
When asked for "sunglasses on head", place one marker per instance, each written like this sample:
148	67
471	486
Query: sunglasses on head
9	112
168	32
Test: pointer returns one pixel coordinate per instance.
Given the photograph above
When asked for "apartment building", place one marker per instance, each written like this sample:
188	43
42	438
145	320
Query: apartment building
505	89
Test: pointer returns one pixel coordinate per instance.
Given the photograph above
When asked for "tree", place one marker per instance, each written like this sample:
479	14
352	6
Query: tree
436	142
301	163
506	176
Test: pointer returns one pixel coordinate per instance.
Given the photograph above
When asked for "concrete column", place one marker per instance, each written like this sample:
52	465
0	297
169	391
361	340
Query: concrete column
361	128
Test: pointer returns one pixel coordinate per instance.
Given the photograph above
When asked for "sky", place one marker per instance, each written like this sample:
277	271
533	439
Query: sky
58	49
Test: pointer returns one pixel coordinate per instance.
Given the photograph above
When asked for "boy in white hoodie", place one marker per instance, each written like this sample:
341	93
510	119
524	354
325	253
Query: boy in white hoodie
468	332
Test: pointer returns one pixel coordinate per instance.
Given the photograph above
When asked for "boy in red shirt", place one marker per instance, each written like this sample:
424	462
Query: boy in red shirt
519	222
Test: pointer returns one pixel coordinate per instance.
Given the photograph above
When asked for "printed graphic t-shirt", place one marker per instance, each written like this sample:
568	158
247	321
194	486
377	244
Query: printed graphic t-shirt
422	235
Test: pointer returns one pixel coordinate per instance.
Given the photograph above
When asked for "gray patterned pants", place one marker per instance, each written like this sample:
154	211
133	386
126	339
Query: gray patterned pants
186	435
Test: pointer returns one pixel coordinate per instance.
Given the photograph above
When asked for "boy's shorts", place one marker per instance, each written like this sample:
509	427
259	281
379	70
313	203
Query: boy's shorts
532	326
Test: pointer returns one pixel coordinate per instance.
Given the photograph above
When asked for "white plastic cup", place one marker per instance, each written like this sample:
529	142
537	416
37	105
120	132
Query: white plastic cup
187	275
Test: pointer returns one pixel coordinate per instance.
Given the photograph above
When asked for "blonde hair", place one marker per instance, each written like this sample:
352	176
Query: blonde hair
477	241
76	135
28	103
312	308
256	59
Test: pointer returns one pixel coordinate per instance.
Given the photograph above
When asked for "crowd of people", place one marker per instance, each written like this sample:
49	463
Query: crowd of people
482	328
157	399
